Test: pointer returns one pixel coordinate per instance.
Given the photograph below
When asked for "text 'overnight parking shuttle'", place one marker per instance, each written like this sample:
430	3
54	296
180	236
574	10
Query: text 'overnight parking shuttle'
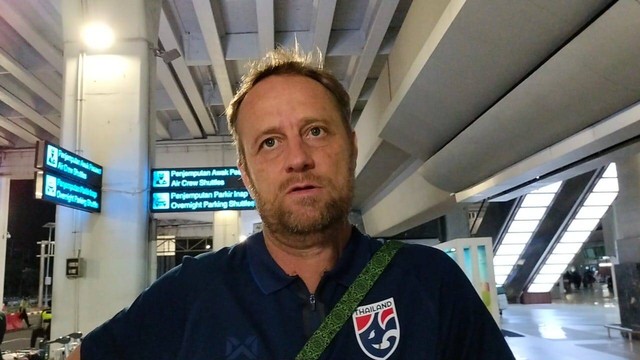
201	200
65	192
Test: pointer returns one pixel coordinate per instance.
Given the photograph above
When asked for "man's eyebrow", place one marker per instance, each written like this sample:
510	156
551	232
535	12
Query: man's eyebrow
263	132
277	128
309	120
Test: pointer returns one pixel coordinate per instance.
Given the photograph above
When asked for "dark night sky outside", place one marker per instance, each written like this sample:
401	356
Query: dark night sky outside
26	218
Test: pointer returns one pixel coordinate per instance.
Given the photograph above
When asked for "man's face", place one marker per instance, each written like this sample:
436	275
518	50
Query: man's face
299	157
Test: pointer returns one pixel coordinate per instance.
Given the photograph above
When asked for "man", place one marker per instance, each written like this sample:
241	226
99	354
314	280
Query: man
44	327
264	298
24	305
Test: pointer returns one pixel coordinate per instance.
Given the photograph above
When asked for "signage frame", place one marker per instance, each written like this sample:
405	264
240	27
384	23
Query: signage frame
197	189
196	178
43	194
49	156
200	200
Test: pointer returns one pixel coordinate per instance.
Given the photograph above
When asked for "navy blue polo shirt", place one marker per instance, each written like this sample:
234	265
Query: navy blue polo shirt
238	303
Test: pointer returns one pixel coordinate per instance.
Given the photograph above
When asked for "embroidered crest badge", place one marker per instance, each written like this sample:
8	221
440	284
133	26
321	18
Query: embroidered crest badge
377	328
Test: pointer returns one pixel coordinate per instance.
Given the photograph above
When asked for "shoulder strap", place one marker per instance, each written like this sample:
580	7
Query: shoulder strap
349	301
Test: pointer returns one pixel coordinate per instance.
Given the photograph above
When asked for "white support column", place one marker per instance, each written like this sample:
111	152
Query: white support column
226	228
5	185
106	118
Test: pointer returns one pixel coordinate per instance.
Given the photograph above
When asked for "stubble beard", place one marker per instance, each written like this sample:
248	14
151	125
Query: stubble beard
303	224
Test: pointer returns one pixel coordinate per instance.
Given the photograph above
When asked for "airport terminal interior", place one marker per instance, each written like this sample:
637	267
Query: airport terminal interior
505	133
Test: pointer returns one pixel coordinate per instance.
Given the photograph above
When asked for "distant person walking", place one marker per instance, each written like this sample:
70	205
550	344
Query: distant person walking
24	304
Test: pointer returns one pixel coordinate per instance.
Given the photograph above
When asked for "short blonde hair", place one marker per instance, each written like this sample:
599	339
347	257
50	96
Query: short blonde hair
282	61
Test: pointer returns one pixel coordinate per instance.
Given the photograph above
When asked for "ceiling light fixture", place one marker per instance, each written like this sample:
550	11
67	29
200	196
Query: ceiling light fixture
97	36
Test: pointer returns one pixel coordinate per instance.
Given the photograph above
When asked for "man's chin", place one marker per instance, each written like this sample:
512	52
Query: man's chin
304	224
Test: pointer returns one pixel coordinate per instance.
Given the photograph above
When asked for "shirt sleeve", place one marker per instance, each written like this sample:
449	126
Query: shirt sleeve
151	328
467	329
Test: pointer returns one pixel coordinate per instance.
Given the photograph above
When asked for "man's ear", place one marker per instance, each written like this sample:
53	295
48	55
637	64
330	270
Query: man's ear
354	140
355	143
244	174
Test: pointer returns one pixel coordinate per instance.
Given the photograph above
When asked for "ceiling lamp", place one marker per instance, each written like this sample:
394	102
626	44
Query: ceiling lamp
97	36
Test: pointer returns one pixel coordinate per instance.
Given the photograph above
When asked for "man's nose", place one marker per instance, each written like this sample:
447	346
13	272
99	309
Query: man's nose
299	156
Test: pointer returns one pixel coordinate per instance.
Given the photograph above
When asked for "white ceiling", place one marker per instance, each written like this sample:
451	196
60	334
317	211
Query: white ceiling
473	89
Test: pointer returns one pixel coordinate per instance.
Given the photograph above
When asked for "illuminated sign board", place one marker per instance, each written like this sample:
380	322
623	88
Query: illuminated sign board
66	192
201	200
67	179
197	178
52	158
198	189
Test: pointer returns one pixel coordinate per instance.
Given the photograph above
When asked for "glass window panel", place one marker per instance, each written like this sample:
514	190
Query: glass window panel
606	185
510	249
516	238
502	270
533	200
575	236
505	260
532	213
547	278
583	225
603	199
539	288
553	269
166	247
500	280
551	188
591	212
567	248
523	226
611	172
560	258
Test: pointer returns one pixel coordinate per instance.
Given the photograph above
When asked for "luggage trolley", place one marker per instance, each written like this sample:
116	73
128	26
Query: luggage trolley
69	342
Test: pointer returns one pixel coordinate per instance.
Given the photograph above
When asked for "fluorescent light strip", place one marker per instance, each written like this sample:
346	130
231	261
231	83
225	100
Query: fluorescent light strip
579	229
527	218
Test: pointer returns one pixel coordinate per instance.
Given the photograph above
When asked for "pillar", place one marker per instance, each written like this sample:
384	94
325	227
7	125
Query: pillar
5	183
626	213
226	228
457	223
106	118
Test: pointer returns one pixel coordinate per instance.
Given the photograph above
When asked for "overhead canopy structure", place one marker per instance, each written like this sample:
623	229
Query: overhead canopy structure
453	101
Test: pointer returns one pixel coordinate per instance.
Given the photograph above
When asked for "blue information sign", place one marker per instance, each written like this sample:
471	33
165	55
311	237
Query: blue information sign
198	189
54	159
67	179
66	192
197	178
201	200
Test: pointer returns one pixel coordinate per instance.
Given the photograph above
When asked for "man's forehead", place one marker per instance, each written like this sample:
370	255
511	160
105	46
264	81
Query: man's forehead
283	82
305	90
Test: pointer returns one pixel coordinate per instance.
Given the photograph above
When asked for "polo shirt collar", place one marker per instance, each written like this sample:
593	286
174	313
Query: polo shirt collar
270	277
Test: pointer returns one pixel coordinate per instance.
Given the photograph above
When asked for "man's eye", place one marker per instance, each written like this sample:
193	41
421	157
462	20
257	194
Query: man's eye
316	131
269	143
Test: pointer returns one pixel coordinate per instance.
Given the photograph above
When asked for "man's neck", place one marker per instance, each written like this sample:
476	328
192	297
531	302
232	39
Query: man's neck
312	262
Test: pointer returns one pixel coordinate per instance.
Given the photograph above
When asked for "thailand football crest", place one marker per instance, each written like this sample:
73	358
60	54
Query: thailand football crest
377	328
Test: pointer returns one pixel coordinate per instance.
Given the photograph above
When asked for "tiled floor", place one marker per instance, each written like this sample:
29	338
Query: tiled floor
570	328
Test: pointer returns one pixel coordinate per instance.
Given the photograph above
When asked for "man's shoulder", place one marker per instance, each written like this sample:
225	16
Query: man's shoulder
415	254
223	261
422	252
225	257
422	259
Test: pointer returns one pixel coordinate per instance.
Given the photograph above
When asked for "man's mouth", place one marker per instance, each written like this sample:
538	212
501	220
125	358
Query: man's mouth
301	188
